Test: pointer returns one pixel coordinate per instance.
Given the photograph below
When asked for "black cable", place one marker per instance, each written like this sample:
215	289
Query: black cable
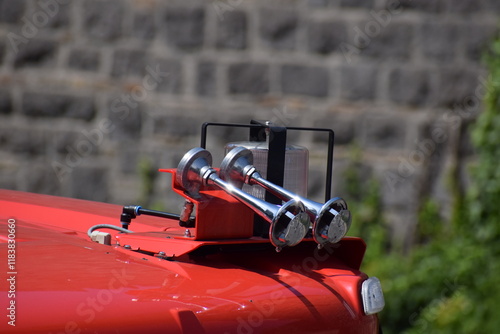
113	227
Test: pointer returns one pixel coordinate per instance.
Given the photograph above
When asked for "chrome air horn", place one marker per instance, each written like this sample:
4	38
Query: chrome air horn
331	220
289	223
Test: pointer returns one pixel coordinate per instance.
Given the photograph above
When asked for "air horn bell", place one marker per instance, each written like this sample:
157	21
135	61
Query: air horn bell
289	222
331	220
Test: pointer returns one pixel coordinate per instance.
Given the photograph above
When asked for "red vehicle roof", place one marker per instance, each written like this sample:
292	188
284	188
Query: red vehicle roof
65	283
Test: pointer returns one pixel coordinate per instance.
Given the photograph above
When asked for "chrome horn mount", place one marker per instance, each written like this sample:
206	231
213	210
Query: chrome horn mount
331	220
289	222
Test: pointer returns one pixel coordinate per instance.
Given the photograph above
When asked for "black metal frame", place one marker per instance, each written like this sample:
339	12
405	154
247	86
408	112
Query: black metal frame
277	149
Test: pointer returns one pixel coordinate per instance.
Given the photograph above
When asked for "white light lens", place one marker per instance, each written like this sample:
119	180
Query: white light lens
372	295
296	167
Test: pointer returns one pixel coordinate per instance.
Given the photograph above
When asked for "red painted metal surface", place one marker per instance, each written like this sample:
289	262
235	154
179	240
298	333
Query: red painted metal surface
64	283
214	206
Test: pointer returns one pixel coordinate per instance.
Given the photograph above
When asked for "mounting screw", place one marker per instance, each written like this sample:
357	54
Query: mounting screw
161	254
187	233
127	247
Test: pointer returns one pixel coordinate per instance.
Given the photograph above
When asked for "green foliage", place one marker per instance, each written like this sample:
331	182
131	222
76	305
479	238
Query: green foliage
430	223
365	205
448	283
485	193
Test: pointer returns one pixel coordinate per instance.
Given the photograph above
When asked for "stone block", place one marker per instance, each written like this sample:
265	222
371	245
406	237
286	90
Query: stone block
304	80
184	27
61	140
90	183
36	52
384	131
129	63
8	177
430	6
344	170
464	6
400	191
477	39
438	41
326	37
144	25
206	84
358	82
11	11
430	155
321	3
466	146
136	161
59	14
130	159
57	105
80	107
102	20
343	127
316	184
2	51
357	3
40	178
278	28
232	31
393	41
491	6
84	59
410	86
430	150
125	116
457	88
168	75
176	126
23	141
5	102
248	78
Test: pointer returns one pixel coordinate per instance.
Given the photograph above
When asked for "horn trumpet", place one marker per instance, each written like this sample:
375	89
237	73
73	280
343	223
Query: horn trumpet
289	222
331	220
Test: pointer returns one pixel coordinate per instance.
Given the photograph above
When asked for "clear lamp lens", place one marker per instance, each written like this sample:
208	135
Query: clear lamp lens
372	296
296	166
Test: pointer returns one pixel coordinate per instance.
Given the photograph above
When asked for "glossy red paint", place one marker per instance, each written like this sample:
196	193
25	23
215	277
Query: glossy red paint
64	283
235	222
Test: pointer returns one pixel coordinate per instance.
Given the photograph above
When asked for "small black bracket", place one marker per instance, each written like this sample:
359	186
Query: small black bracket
276	135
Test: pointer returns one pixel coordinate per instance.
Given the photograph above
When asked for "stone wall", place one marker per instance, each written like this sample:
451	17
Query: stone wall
96	95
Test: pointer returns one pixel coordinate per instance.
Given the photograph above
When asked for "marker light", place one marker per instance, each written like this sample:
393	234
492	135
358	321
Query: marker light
372	295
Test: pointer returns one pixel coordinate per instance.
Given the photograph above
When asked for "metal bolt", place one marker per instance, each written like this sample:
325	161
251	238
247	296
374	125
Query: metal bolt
161	254
127	247
187	233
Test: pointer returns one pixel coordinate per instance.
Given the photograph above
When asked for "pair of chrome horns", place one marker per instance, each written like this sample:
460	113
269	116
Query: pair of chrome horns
289	222
331	220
